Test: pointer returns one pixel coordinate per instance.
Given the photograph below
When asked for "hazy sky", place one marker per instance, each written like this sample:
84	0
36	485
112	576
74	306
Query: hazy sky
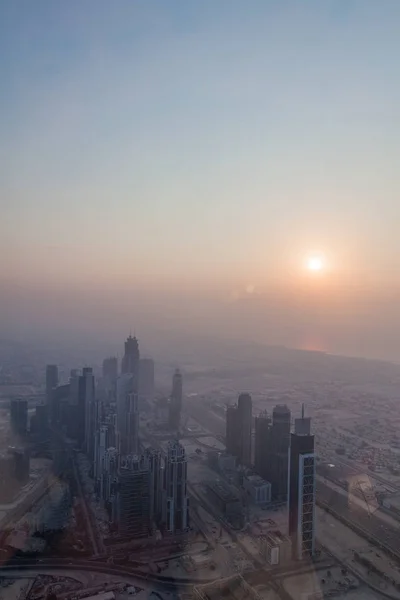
206	147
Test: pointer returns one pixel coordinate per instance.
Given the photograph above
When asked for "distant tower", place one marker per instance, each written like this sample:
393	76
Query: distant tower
91	410
278	462
83	405
262	445
176	501
51	383
127	415
154	458
110	369
19	416
176	401
302	492
239	428
232	431
130	360
146	378
245	407
132	422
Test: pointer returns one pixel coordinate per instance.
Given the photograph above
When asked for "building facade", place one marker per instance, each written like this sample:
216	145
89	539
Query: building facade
134	497
302	495
176	500
239	420
130	360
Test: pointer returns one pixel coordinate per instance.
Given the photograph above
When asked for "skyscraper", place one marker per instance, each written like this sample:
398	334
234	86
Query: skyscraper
51	382
132	423
130	360
91	410
127	415
146	378
154	458
175	407
245	407
83	409
272	442
176	501
110	368
134	497
280	442
100	447
239	428
302	493
19	416
262	444
60	397
232	431
108	484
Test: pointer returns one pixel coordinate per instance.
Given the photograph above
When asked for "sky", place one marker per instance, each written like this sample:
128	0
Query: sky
177	162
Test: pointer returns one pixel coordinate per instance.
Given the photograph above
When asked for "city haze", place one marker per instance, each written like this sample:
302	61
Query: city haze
173	167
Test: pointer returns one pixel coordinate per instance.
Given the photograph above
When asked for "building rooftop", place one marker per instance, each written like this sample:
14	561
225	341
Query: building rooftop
226	492
257	481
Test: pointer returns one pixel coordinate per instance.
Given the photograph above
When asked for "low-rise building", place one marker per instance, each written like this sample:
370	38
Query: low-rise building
225	497
275	548
258	489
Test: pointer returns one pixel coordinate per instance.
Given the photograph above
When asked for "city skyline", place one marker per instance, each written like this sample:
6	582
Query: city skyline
273	136
200	292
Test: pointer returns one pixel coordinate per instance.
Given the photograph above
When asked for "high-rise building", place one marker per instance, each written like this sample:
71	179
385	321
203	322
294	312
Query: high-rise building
134	497
19	416
83	409
272	442
302	494
110	368
124	388
239	429
108	485
100	446
232	431
58	403
155	467
132	423
175	407
280	442
127	415
90	409
262	448
130	360
70	417
146	378
176	501
51	381
42	421
245	408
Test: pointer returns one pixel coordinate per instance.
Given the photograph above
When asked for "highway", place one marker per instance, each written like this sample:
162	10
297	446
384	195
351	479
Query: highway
39	566
369	525
88	517
372	526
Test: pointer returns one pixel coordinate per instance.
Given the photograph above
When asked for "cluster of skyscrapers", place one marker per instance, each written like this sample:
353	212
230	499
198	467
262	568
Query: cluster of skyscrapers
283	458
141	488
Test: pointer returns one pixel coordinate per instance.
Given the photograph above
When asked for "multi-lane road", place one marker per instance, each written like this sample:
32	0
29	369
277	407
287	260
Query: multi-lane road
369	525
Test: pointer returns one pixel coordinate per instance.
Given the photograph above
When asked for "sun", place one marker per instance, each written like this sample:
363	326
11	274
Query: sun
315	263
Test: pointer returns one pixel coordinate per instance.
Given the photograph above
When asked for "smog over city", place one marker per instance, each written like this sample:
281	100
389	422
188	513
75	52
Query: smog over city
199	300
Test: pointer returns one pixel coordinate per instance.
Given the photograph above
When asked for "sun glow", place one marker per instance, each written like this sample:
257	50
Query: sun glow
315	263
